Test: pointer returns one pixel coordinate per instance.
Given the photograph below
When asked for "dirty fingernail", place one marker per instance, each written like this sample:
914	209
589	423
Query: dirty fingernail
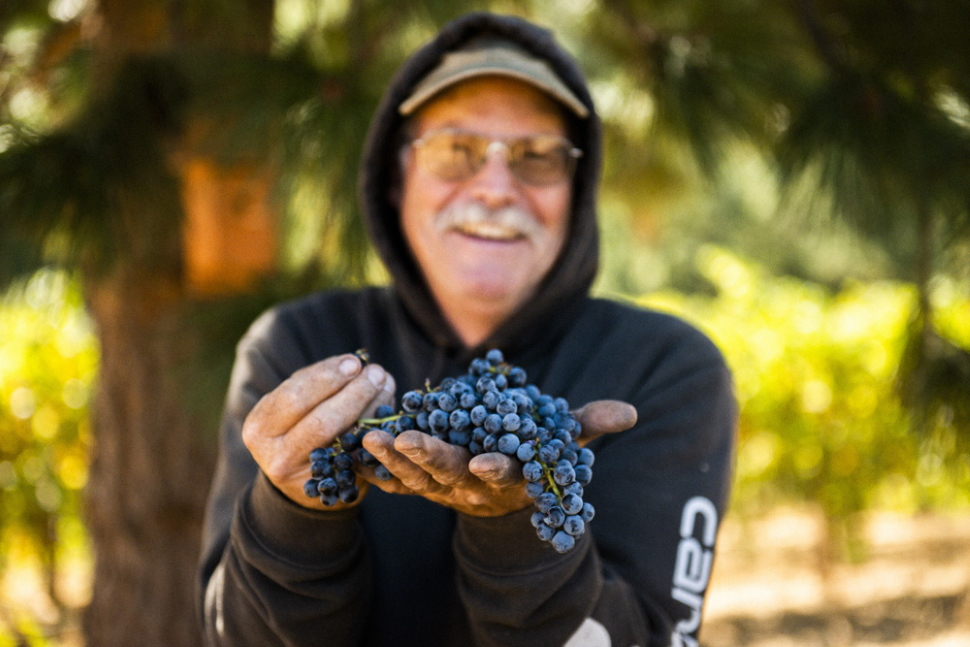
348	367
376	375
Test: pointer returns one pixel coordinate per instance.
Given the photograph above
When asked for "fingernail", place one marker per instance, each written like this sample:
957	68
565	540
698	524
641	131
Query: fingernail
376	375
348	367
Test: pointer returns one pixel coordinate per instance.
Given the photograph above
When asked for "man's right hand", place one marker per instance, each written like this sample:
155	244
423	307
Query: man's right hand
310	409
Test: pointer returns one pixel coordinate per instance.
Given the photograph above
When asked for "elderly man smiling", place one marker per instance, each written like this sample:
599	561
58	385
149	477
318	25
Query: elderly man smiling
479	192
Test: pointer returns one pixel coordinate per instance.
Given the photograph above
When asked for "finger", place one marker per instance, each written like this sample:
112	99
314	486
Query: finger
412	476
386	396
341	411
496	468
604	417
447	464
298	395
392	486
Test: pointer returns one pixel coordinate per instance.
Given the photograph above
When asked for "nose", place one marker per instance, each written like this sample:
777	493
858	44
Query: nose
494	185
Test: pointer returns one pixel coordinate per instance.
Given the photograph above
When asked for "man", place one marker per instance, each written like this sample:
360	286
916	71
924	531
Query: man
478	184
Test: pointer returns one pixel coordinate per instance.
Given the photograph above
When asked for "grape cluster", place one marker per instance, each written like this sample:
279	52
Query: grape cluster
492	408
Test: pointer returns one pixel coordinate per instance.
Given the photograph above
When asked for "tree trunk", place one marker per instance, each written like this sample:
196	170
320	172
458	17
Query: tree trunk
151	460
150	470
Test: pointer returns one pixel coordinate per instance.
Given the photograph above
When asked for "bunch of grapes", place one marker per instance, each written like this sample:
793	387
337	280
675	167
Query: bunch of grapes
492	408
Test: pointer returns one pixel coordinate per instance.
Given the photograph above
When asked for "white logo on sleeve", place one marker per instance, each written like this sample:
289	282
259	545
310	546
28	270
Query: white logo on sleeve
590	634
692	571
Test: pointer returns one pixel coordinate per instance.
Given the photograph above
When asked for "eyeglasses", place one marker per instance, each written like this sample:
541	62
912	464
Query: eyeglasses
457	155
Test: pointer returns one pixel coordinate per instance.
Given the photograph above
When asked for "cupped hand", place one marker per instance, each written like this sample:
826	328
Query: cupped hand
487	485
310	409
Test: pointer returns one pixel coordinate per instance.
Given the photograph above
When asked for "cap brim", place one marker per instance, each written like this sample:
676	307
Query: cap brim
496	60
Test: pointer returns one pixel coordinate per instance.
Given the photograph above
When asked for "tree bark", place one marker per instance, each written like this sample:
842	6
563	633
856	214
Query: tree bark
151	460
150	470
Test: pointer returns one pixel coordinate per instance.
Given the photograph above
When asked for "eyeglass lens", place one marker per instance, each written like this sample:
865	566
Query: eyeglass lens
456	155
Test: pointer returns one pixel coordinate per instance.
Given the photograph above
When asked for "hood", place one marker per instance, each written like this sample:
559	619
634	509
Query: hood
570	278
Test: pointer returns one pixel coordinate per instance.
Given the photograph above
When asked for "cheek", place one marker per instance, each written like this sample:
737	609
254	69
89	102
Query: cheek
555	209
417	206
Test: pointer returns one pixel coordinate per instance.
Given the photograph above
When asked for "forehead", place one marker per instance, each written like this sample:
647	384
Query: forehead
495	105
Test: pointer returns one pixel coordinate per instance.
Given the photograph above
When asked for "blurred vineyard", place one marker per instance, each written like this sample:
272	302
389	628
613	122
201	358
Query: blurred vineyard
48	364
821	424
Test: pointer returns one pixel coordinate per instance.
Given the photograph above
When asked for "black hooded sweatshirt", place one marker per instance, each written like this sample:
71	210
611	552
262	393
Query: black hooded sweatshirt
399	570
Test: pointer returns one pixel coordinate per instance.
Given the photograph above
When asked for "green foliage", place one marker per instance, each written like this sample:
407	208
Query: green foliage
861	108
821	419
99	189
48	362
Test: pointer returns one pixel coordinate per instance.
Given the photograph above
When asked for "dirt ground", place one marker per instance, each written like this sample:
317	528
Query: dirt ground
771	587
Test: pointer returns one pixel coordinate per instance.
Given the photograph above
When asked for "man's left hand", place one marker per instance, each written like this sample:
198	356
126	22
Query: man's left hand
487	485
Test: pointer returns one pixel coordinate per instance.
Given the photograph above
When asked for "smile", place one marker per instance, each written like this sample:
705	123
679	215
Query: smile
489	231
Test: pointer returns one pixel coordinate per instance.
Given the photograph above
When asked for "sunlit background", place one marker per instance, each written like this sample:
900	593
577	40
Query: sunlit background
790	177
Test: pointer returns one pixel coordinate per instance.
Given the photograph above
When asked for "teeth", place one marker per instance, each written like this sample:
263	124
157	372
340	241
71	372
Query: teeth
489	230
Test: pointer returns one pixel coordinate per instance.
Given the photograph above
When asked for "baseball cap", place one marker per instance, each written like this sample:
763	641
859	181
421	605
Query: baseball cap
492	56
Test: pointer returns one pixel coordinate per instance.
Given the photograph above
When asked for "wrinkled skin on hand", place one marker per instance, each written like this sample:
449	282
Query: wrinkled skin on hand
487	485
310	409
322	401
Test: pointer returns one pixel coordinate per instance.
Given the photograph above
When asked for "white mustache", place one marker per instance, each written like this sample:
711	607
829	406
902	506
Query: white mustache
507	221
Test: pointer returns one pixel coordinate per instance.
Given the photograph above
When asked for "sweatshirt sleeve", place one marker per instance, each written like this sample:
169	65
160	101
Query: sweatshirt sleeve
661	490
640	573
272	571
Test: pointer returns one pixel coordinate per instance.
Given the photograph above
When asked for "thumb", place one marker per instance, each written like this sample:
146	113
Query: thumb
604	417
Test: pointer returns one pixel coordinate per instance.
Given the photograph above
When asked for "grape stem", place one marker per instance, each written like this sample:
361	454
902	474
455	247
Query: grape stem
552	481
379	421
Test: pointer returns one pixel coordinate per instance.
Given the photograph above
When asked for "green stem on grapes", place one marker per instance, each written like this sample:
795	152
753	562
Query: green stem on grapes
370	422
551	481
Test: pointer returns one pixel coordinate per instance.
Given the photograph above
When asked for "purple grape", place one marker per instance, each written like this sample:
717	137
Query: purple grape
555	517
526	451
312	488
562	542
349	441
534	489
493	423
345	478
574	526
412	401
532	471
490	408
447	402
478	414
564	474
508	444
545	532
438	420
506	407
545	502
572	504
321	469
459	420
384	411
348	494
485	384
